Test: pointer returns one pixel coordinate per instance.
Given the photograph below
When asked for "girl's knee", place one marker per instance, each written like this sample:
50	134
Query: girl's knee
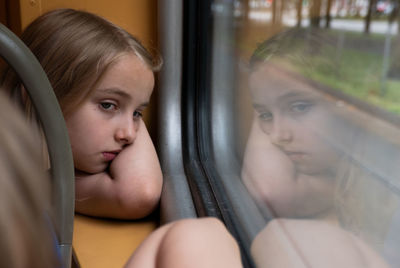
203	230
201	242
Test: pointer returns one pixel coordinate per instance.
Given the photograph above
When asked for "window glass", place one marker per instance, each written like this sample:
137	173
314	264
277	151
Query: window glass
316	106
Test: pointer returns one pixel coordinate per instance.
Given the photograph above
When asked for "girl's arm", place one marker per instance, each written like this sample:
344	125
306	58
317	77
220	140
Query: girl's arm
130	189
311	243
266	172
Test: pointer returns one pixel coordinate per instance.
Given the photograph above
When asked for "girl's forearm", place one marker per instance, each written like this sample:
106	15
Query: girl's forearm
100	195
95	194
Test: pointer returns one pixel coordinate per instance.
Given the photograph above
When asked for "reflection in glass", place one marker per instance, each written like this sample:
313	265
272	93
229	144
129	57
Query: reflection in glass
323	149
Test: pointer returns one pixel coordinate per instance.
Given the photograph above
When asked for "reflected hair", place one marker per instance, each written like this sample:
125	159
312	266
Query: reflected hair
294	46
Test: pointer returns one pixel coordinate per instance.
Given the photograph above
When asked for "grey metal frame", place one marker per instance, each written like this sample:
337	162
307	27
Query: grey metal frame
176	200
14	51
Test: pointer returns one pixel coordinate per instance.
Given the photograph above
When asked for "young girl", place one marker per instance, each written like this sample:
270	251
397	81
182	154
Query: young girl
317	179
103	79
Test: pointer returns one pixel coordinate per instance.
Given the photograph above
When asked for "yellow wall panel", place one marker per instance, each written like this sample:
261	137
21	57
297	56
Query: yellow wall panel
136	16
30	9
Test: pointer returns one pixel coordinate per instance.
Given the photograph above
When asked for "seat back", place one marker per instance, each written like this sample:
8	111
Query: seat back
19	57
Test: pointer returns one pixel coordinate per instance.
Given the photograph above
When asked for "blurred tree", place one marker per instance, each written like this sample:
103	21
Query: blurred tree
328	14
350	7
394	14
394	68
245	9
299	12
315	12
278	7
371	5
283	7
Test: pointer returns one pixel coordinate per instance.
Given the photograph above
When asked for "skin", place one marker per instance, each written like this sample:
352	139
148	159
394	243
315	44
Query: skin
188	243
288	132
116	166
296	118
309	243
278	186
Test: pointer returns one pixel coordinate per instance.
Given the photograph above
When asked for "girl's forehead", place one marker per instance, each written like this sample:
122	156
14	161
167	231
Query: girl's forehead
270	82
128	76
130	64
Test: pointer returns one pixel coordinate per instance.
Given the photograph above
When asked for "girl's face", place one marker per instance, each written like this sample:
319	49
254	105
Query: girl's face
109	119
297	119
296	174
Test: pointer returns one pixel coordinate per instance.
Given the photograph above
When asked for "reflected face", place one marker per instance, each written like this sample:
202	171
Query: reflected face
109	118
292	165
296	118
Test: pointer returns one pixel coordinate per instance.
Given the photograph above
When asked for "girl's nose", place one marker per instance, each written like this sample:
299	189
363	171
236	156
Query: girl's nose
126	133
280	133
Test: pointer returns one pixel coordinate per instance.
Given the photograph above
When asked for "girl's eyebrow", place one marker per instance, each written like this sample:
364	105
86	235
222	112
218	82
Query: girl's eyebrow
121	93
283	98
258	106
116	91
293	95
143	105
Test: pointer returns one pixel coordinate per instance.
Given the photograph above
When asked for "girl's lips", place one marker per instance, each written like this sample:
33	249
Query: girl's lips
109	156
296	156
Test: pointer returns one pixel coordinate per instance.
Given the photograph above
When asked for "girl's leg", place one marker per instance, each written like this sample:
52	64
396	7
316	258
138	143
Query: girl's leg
188	243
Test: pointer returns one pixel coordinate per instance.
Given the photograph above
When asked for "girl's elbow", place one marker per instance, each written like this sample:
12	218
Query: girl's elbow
148	201
141	202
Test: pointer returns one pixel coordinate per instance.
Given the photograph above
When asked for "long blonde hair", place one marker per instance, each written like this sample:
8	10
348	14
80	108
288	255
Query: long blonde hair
75	48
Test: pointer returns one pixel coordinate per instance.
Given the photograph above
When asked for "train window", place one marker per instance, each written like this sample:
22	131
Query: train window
290	116
304	119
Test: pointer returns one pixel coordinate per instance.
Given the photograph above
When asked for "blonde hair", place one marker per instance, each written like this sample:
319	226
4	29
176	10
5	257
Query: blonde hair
25	224
75	48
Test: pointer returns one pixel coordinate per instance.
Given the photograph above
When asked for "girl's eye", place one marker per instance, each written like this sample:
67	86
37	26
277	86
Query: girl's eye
265	116
108	106
300	107
137	114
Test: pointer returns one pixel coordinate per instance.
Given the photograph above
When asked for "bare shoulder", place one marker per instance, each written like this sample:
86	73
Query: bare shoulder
311	243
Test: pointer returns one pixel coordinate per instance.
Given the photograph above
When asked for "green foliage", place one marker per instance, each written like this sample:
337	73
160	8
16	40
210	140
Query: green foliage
357	73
